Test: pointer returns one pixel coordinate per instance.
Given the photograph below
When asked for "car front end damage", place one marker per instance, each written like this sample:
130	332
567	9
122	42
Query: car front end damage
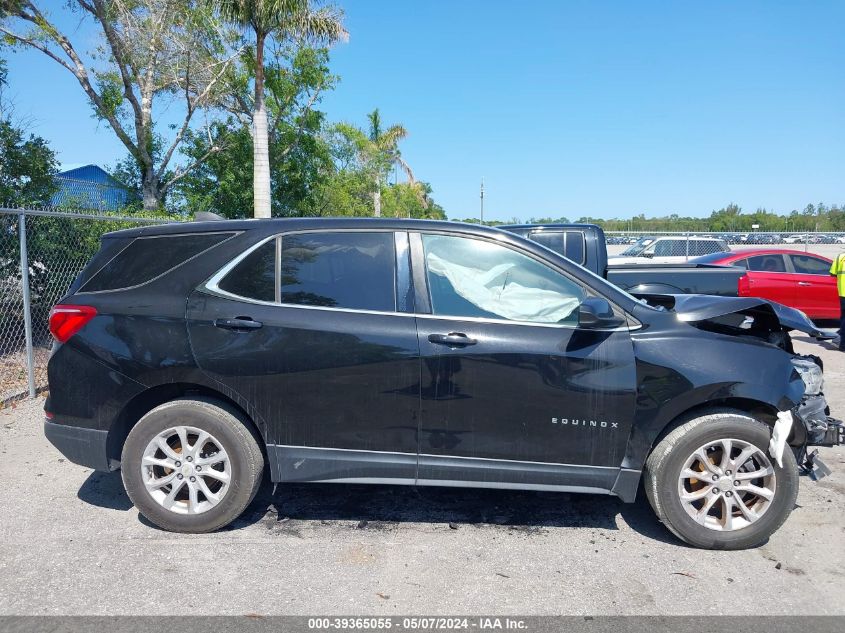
815	426
810	423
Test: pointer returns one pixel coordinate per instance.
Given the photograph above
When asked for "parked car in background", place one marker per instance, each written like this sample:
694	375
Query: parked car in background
764	238
796	279
803	238
668	249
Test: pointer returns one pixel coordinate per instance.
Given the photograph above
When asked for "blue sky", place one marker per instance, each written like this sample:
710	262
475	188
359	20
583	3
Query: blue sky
606	109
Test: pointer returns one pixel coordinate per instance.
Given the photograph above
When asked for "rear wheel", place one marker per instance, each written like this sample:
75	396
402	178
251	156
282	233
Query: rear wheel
712	482
191	466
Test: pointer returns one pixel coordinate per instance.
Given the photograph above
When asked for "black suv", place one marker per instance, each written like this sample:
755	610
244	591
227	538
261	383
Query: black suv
191	356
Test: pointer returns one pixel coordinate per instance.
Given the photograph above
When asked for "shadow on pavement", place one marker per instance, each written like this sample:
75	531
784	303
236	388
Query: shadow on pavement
381	506
831	344
105	490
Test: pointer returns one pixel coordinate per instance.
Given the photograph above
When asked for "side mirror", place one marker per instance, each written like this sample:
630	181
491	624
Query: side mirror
648	254
595	312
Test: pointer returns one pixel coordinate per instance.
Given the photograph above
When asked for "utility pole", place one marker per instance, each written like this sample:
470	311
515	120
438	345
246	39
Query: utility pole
482	200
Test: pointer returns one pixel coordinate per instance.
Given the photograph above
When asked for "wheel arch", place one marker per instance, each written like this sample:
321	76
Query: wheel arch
757	409
150	398
646	434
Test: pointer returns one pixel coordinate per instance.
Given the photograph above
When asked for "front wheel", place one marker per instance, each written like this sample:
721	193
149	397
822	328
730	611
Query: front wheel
712	482
191	466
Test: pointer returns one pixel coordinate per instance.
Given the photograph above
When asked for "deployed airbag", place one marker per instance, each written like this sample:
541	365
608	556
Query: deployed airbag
493	290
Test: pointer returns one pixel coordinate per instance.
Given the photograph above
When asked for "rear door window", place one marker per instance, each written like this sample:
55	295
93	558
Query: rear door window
703	247
573	246
553	240
353	270
570	244
670	248
146	258
767	264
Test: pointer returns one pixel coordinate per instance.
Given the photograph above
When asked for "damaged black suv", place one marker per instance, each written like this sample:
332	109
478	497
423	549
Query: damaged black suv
192	356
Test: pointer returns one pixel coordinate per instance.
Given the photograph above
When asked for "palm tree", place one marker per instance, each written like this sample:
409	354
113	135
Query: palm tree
379	151
266	20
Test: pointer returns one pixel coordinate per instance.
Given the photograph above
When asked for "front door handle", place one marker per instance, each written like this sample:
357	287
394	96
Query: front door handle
452	339
804	283
238	323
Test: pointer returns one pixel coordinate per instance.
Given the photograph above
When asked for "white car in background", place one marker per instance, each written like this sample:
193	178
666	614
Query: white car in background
668	249
796	239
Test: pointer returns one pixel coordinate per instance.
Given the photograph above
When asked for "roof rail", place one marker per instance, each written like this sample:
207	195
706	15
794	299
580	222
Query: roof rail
207	216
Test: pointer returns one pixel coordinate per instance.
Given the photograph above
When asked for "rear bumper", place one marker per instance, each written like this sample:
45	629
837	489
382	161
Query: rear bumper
86	447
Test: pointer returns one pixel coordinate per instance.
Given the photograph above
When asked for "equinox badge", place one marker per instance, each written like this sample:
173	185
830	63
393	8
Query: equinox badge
594	423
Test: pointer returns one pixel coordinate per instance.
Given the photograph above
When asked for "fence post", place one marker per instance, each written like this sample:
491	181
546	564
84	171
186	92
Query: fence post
27	316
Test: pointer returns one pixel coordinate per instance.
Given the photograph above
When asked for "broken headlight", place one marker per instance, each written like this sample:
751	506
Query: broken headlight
811	374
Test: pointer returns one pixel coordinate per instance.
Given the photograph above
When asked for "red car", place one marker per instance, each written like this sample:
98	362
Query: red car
793	278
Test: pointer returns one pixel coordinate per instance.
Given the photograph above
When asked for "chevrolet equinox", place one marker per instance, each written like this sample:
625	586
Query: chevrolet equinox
192	356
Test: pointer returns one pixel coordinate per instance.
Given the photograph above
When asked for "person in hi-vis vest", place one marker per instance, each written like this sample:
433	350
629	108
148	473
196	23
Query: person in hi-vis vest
837	269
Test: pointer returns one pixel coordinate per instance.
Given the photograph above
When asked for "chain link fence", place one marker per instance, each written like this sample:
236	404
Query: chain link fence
41	253
668	246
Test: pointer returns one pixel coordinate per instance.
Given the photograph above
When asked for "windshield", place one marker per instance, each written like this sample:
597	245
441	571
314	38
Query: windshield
638	247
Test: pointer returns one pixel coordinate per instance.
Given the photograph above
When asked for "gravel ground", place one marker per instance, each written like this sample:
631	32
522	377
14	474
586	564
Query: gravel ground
71	543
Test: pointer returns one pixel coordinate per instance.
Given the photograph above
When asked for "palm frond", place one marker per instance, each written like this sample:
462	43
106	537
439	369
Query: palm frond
391	137
285	18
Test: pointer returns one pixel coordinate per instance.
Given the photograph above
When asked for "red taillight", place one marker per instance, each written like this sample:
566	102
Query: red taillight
65	320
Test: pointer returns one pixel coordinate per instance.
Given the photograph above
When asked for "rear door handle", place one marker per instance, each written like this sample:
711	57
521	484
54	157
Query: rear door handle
238	323
452	339
804	283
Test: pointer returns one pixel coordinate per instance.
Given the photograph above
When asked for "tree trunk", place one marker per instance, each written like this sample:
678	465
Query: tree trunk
377	198
260	141
151	190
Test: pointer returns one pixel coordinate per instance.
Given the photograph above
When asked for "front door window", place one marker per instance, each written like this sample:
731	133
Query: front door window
480	279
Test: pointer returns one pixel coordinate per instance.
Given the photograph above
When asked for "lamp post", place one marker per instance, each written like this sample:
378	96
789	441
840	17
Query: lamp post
482	200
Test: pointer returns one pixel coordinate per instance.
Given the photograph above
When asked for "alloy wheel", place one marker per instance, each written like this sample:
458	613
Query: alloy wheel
186	470
727	484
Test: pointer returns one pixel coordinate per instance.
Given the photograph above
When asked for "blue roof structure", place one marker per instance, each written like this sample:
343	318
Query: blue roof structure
90	187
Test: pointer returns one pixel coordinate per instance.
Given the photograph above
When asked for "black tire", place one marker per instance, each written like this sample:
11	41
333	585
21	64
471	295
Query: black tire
664	465
241	446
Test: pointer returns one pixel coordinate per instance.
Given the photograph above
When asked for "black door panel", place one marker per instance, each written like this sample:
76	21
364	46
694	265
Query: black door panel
320	378
527	393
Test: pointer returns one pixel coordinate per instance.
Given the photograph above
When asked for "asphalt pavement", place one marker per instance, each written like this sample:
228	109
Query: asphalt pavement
71	543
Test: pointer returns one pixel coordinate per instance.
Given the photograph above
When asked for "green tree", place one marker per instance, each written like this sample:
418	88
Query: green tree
151	54
300	158
403	200
272	21
27	168
378	152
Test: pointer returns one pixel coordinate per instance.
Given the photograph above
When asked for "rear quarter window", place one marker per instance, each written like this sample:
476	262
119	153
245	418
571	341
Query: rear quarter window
808	265
146	258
